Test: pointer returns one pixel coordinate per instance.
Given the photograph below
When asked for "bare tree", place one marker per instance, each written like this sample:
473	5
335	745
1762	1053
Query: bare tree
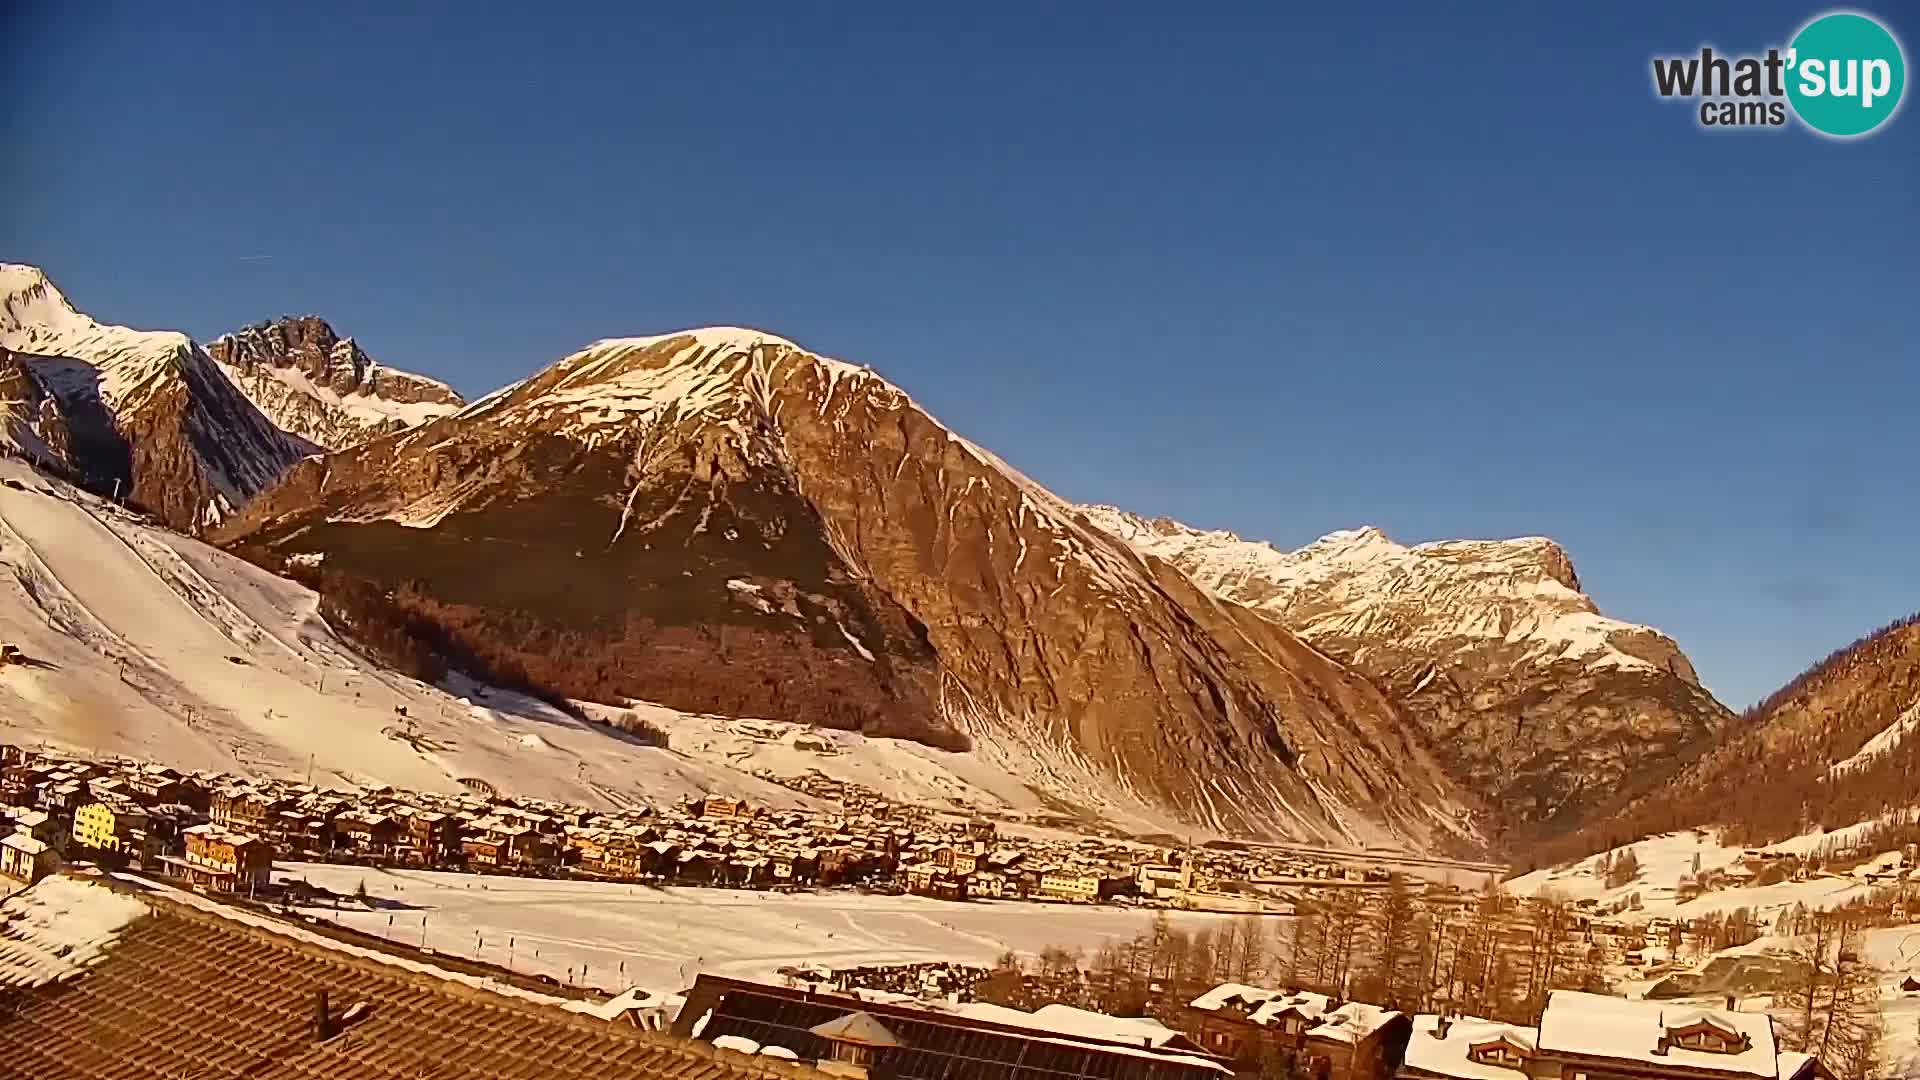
1830	1008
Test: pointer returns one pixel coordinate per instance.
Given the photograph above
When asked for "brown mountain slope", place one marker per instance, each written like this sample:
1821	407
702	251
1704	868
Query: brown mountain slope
718	520
1835	746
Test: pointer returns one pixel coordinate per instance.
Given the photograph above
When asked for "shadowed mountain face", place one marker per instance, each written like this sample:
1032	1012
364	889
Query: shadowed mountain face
718	520
146	414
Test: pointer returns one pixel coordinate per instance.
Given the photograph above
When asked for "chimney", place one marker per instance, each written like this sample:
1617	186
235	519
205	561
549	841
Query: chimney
322	1022
1733	1003
1441	1025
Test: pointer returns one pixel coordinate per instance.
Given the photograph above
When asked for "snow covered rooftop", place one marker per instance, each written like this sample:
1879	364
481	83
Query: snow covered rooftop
1353	1022
59	928
1449	1054
1067	1020
1594	1025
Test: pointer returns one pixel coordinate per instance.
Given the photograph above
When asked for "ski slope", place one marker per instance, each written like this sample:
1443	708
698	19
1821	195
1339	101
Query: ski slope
144	642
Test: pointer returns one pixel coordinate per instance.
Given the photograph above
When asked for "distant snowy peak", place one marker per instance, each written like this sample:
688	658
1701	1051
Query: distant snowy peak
1360	582
323	387
144	413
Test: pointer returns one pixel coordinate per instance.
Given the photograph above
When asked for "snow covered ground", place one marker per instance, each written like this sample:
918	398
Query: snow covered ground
144	642
663	937
1665	859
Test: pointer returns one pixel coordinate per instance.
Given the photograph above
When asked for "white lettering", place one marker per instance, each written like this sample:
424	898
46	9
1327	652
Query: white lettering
1879	79
1852	81
1813	77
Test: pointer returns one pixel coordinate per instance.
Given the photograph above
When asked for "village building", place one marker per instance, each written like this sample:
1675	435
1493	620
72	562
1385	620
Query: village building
224	861
115	830
1069	886
1585	1036
369	833
873	1040
26	860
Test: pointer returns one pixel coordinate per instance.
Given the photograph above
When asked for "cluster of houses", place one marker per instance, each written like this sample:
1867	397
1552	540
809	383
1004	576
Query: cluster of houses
222	832
1580	1036
1237	1030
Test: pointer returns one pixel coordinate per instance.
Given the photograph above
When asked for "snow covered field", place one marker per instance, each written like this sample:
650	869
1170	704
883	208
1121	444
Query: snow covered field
664	936
1665	859
150	644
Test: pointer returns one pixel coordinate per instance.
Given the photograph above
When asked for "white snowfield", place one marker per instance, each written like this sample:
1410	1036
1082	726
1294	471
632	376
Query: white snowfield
147	643
1665	859
626	935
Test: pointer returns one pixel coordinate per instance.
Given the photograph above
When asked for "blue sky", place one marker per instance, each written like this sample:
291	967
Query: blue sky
1453	273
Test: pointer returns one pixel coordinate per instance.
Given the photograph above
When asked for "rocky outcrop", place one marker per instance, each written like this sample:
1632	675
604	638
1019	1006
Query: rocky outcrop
720	520
146	415
323	387
1533	698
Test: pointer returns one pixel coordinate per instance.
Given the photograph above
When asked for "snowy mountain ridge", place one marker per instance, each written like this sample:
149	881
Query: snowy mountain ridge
1354	582
323	387
144	412
1541	701
37	319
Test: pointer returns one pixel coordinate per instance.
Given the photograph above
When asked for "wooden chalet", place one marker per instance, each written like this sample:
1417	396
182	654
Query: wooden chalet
1595	1037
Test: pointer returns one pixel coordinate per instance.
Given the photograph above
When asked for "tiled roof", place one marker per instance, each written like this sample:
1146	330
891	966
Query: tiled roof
187	993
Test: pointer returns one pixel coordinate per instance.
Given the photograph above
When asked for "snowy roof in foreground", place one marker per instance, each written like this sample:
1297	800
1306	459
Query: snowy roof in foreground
59	928
1448	1056
1067	1020
1594	1025
1352	1022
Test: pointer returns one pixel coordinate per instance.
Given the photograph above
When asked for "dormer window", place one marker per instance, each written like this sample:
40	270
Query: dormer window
1707	1035
1499	1052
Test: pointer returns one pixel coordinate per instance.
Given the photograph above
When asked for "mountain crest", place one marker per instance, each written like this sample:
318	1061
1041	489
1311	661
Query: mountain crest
324	387
1544	703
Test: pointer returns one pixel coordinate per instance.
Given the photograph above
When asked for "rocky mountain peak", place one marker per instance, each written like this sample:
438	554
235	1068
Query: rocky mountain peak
324	387
1546	704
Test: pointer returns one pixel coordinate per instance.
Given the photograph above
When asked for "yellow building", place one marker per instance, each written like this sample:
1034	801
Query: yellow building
1074	888
108	826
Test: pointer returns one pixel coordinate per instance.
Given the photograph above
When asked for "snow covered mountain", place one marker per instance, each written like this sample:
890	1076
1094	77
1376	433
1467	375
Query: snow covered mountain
723	522
323	387
145	412
1535	699
140	641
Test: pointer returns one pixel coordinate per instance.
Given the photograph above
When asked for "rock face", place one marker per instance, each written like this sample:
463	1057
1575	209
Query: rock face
145	413
719	520
1533	698
323	387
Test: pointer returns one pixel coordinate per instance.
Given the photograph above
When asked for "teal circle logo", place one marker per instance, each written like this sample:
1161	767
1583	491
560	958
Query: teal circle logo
1845	74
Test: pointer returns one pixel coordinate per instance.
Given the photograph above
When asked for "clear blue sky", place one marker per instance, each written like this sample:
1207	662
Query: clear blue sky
1450	273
